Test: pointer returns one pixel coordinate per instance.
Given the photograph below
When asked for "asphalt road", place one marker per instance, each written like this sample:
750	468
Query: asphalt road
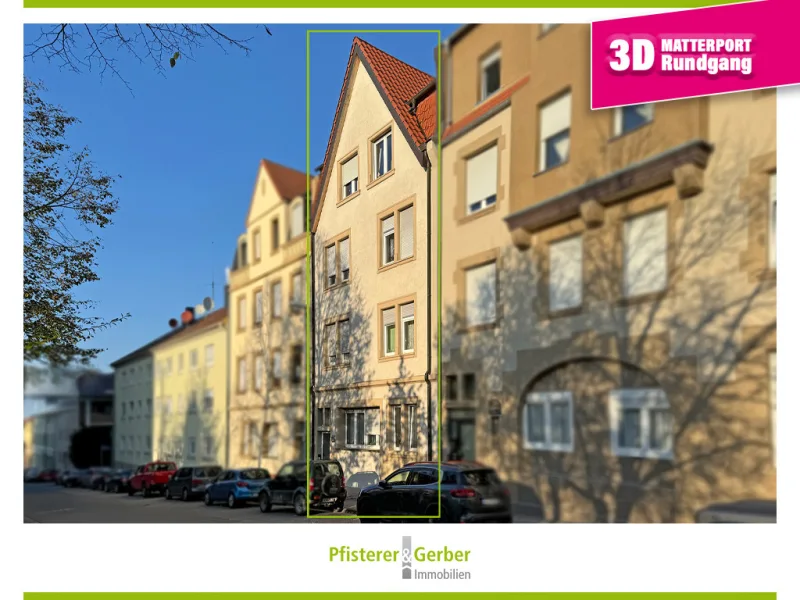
48	503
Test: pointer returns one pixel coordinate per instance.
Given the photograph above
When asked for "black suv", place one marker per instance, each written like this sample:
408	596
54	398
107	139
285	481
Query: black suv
326	487
188	483
470	492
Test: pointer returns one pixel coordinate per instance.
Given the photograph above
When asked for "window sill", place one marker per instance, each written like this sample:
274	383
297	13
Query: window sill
642	298
399	356
396	263
551	169
367	448
624	134
544	447
477	214
348	199
478	328
336	286
562	313
375	182
643	454
336	367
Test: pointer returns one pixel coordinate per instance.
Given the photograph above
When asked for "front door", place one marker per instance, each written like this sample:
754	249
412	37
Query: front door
462	437
324	445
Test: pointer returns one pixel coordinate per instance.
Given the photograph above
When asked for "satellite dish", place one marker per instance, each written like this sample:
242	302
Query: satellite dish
199	310
208	303
186	317
173	323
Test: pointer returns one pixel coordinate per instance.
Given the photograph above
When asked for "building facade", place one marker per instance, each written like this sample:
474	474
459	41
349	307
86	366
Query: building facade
133	409
608	284
190	389
374	235
267	295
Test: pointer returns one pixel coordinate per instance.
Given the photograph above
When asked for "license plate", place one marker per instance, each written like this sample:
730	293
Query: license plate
328	501
491	502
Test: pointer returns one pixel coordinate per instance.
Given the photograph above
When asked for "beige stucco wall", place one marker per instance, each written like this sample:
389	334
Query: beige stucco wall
133	388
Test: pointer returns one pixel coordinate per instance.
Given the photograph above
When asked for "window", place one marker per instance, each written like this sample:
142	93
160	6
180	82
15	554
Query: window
276	368
209	445
407	320
323	417
193	359
773	385
773	224
297	364
645	254
382	155
277	300
554	124
297	222
337	262
548	421
641	423
349	174
242	312
389	331
399	478
482	180
412	427
193	402
180	363
628	118
242	387
169	366
330	343
397	242
192	446
481	295
258	372
344	340
243	253
181	404
269	439
253	439
257	246
397	426
490	75
297	288
210	355
208	401
566	273
361	427
258	308
276	235
451	387
470	386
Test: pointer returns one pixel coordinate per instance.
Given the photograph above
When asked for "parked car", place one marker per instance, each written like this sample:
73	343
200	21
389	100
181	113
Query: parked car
98	478
326	487
73	478
47	476
189	483
236	487
87	477
470	492
117	481
152	478
62	476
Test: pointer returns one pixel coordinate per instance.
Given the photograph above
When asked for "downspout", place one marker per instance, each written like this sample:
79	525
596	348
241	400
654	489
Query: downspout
429	312
312	340
228	381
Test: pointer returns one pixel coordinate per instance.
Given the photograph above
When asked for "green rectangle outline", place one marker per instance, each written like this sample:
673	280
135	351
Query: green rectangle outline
309	203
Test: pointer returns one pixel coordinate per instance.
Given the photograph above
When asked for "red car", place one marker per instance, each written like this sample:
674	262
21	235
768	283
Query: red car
151	478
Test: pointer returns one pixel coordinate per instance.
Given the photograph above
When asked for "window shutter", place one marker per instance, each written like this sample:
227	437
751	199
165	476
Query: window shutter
330	339
330	257
350	170
481	294
344	254
344	336
407	232
388	316
387	225
407	311
482	176
298	224
566	273
646	254
297	287
555	116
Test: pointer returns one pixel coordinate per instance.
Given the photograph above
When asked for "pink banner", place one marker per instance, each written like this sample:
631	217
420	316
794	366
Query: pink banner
699	52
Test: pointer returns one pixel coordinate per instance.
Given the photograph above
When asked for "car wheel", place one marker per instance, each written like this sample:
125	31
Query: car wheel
264	505
300	505
185	495
131	491
207	499
231	501
167	493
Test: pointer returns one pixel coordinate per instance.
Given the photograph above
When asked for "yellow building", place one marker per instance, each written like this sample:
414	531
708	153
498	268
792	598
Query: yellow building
190	391
266	293
27	441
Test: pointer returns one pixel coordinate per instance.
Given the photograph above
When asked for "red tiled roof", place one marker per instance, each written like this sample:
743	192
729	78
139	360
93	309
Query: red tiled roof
399	83
289	182
485	107
426	115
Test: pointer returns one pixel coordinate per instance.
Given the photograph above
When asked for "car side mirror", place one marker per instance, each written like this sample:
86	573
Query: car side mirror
384	484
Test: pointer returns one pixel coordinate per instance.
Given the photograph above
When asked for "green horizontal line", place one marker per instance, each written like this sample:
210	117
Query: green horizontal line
371	3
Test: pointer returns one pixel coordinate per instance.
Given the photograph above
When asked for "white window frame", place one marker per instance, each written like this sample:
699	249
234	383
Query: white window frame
209	355
412	427
297	290
276	303
384	328
258	298
488	61
403	321
258	372
479	322
626	280
546	399
484	202
298	205
619	120
385	141
553	289
364	446
772	223
543	166
645	400
385	235
354	182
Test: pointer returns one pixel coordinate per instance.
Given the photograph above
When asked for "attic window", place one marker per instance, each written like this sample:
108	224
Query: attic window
349	170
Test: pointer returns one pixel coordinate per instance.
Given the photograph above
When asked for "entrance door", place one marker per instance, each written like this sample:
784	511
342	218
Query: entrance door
325	445
462	436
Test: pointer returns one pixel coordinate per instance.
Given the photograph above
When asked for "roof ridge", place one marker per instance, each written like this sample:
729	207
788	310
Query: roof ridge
394	58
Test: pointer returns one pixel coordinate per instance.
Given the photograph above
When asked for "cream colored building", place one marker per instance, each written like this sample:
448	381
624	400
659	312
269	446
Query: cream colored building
375	306
266	296
190	388
133	408
608	284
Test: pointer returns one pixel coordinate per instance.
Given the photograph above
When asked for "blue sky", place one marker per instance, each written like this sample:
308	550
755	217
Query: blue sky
187	147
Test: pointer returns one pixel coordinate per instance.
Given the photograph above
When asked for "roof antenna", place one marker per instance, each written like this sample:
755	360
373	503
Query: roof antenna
213	297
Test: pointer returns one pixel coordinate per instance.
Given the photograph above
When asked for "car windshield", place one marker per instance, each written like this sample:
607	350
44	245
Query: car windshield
208	472
253	474
482	477
164	467
123	473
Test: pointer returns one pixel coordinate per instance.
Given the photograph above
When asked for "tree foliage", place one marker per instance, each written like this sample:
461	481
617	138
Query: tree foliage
66	201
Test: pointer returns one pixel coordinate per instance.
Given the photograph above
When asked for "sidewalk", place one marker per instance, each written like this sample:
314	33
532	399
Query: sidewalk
519	515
